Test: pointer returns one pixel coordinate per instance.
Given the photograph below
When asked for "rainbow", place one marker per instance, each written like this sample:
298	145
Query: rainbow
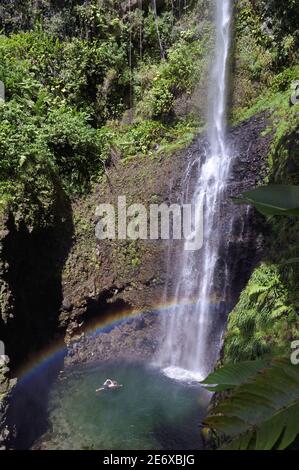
39	362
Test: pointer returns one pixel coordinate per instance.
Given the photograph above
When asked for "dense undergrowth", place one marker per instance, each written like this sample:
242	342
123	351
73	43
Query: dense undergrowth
85	80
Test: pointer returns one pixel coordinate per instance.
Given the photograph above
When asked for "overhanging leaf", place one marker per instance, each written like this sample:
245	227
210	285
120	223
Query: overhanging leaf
273	199
262	412
241	442
284	423
233	375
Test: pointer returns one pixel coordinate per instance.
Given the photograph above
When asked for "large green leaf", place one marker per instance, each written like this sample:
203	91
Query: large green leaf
232	375
262	411
273	199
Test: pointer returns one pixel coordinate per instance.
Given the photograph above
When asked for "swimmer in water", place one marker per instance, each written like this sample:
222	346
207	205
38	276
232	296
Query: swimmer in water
109	384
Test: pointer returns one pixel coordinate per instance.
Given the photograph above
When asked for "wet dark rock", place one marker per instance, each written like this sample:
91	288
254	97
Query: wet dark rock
6	387
134	339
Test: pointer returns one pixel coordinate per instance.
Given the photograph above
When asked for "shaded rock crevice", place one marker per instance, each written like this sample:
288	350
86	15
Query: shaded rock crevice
31	263
34	262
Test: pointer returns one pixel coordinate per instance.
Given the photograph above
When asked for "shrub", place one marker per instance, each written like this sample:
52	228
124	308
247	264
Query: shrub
178	75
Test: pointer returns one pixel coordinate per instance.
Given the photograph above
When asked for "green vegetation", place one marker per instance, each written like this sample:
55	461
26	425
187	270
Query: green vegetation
273	199
148	138
262	409
253	410
266	58
265	319
85	81
266	316
90	81
266	47
160	86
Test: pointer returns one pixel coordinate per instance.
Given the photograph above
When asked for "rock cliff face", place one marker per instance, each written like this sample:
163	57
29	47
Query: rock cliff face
6	387
115	284
30	286
102	277
52	281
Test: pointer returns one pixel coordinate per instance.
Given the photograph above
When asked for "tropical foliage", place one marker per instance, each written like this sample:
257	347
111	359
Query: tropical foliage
265	319
261	410
85	80
266	50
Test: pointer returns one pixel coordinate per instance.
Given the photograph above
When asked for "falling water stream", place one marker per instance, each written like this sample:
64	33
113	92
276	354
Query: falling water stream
152	411
192	337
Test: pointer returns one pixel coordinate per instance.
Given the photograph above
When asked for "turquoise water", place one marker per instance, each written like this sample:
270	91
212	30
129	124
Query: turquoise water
151	411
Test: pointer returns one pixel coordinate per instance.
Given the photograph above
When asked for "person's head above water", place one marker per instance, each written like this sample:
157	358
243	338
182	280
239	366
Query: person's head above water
108	381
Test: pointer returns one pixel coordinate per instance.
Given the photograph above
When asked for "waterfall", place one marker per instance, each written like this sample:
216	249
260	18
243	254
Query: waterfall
193	328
